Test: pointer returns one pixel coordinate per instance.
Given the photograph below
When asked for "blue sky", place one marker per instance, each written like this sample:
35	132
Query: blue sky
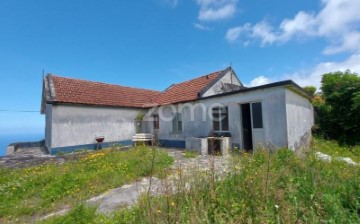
154	43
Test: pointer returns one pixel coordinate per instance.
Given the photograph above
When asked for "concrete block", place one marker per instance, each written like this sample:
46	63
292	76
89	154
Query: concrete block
197	144
225	145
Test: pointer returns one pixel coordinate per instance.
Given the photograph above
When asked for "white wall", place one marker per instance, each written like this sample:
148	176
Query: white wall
287	116
274	117
300	119
78	125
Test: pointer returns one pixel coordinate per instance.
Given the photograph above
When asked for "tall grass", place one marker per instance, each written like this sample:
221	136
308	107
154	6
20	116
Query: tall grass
263	188
333	148
260	188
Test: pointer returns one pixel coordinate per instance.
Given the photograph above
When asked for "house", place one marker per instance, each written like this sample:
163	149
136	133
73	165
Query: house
77	112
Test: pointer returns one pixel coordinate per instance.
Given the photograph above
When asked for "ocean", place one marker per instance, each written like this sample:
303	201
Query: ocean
5	140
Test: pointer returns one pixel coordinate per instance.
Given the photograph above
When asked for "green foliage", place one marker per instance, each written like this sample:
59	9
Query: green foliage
81	214
264	187
140	115
261	188
332	148
44	188
338	116
311	90
191	154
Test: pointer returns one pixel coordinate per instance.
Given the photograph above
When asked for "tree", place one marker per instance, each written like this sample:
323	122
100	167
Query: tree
339	114
311	90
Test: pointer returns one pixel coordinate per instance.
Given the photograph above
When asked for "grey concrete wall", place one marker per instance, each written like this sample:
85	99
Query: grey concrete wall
274	117
300	119
78	125
48	125
217	87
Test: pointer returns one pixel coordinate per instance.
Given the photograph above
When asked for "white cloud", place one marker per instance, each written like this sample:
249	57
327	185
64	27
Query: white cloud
258	81
338	21
171	3
303	23
211	10
313	75
202	27
348	42
265	32
215	14
233	33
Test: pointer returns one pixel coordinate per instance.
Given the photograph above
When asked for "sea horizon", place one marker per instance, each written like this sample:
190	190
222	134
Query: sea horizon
7	139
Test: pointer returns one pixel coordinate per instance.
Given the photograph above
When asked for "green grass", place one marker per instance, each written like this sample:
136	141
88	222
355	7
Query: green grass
332	148
260	188
282	189
191	154
81	214
44	188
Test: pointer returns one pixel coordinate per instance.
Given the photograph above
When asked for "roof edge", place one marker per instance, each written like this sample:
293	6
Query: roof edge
234	73
285	83
48	92
51	86
208	86
95	105
266	86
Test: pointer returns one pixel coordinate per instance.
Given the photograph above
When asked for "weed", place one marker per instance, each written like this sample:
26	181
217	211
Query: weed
260	188
44	188
269	188
333	148
191	154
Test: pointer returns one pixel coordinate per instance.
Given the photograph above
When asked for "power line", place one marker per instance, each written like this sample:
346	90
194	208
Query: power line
21	111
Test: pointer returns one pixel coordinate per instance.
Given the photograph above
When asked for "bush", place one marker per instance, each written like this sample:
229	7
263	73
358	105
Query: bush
338	112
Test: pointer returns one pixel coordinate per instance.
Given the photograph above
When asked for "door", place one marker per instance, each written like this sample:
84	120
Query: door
246	126
252	125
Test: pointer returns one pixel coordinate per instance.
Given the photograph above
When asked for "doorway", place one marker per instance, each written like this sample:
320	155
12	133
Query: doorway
246	126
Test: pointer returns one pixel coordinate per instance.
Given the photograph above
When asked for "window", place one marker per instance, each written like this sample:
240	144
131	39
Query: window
156	121
220	119
177	123
257	115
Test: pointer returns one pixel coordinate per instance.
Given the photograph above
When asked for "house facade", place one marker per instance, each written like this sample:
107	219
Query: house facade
274	115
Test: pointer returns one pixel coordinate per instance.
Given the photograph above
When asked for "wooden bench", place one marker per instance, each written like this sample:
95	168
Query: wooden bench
143	138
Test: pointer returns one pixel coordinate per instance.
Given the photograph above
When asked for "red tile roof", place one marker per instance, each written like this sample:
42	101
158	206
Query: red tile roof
67	90
95	93
185	91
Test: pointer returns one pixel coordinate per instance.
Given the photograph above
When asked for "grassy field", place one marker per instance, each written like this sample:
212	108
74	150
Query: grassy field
334	149
41	189
261	188
264	187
